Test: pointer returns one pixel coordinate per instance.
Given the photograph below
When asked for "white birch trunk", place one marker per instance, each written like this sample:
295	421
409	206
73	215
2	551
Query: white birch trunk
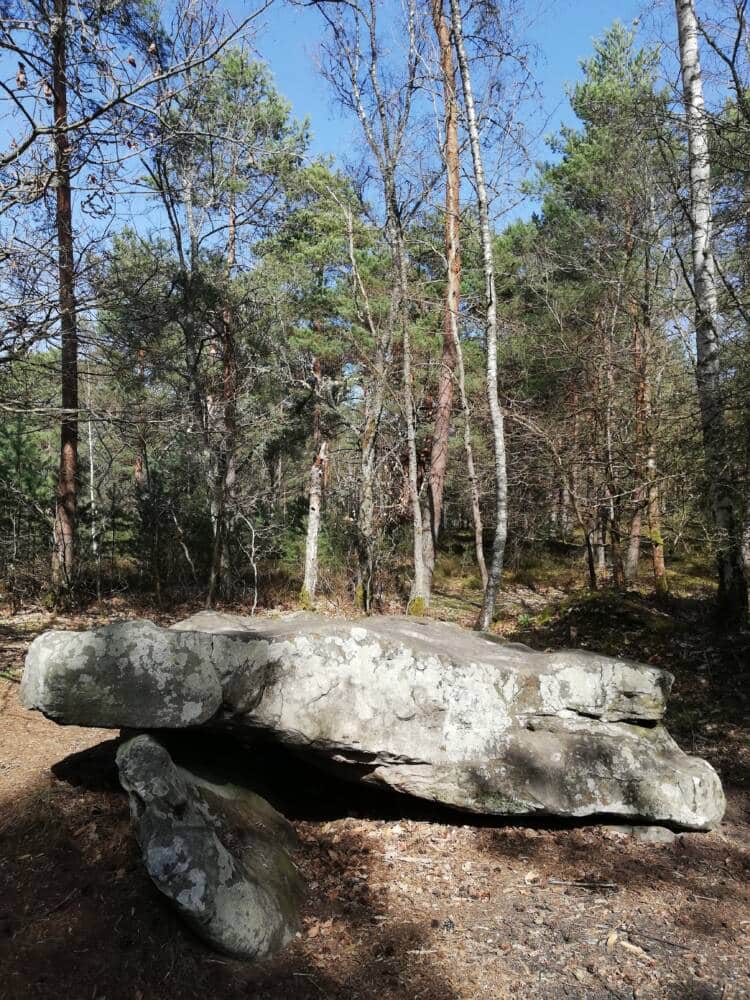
419	600
476	510
732	584
496	414
317	478
92	503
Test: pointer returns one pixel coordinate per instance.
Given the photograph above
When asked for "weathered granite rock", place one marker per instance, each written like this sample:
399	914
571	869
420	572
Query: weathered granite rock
423	707
124	673
218	852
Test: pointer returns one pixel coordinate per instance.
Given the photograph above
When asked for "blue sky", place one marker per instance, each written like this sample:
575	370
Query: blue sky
562	30
563	35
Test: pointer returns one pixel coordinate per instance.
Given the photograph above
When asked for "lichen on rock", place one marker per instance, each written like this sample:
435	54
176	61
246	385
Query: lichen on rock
426	708
218	853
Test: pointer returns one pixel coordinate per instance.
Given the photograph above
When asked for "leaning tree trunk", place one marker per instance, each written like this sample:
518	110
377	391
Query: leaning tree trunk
63	553
444	407
732	598
496	414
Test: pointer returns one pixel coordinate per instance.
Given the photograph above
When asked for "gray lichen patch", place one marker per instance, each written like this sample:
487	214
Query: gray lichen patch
130	674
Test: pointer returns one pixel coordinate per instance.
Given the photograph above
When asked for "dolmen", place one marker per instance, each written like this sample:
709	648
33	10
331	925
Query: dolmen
421	707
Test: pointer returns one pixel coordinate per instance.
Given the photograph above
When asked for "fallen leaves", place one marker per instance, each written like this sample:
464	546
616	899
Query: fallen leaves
318	927
632	948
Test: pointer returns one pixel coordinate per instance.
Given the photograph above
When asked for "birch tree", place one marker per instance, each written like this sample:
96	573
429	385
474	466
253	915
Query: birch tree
732	596
490	325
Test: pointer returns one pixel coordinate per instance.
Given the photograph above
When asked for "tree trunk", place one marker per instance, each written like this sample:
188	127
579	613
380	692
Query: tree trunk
227	466
317	483
564	522
229	390
63	554
476	510
612	488
636	525
746	537
317	480
148	510
732	598
366	567
444	407
496	414
419	599
618	571
646	468
661	584
366	527
601	549
633	554
94	514
590	562
145	490
215	463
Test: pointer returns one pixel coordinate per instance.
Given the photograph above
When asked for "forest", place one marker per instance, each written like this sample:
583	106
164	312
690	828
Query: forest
374	499
236	370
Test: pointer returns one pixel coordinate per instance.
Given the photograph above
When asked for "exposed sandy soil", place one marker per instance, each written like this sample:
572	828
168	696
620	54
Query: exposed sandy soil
404	901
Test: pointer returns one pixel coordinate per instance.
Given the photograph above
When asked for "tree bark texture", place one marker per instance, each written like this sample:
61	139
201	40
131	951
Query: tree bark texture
496	414
317	481
63	553
732	598
444	403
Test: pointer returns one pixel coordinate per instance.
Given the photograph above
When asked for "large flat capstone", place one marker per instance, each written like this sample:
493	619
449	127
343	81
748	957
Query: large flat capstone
423	707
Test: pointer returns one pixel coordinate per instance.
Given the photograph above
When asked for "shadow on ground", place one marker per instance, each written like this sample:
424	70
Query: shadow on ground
80	918
404	900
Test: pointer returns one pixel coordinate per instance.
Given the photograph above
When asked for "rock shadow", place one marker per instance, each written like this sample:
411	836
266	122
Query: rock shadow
79	917
94	768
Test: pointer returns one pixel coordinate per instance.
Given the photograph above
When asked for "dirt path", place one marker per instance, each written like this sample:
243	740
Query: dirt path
402	903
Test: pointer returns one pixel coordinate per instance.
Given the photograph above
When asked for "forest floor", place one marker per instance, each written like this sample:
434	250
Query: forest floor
405	901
